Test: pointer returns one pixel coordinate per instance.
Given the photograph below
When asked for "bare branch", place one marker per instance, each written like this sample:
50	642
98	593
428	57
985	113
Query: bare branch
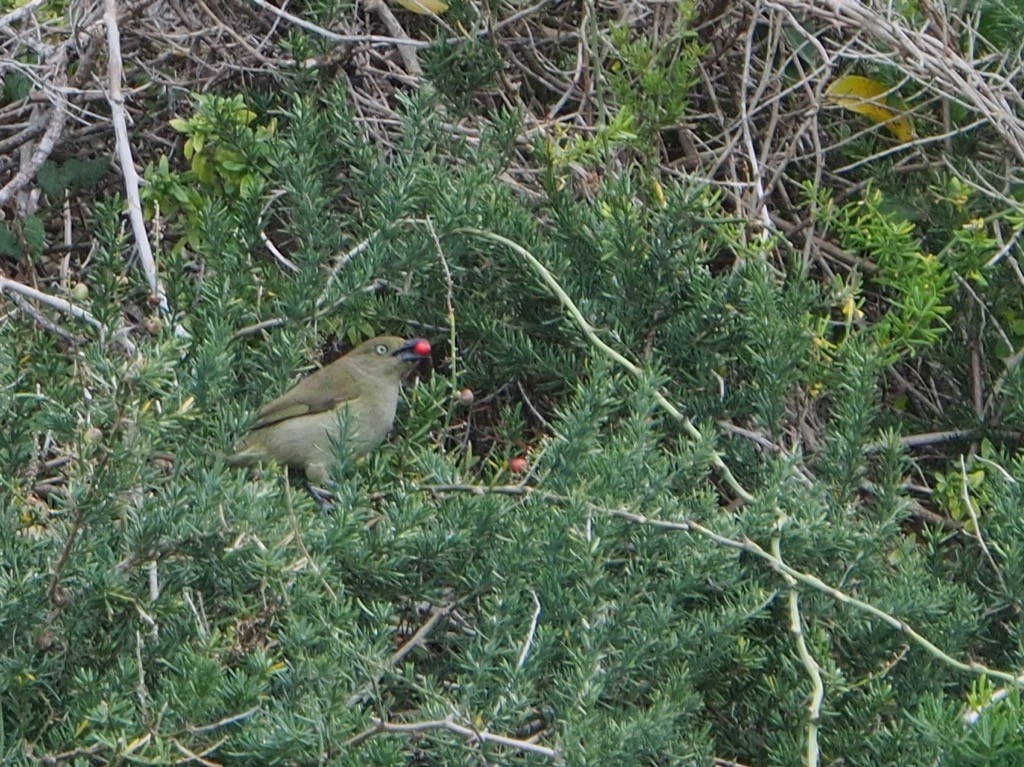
449	724
58	117
124	155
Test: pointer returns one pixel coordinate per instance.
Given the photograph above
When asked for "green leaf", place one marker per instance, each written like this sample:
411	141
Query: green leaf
180	193
10	245
52	179
249	186
16	86
82	174
35	234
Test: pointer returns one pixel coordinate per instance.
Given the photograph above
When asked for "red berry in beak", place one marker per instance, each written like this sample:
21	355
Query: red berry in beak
422	347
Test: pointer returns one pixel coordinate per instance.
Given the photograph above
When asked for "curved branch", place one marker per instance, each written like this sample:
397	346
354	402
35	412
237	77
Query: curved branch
591	334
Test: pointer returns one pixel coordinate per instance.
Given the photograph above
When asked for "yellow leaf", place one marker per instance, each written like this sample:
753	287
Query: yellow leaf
659	194
867	97
142	740
850	309
425	6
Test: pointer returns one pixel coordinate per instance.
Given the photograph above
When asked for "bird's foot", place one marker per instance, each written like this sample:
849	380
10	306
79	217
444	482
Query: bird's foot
323	497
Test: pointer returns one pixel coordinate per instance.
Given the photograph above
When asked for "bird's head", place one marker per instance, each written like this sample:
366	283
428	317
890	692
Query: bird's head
389	355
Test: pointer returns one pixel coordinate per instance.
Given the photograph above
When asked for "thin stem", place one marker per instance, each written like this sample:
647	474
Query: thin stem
592	336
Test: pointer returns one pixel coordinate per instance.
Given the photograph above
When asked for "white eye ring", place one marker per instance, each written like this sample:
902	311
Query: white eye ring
381	349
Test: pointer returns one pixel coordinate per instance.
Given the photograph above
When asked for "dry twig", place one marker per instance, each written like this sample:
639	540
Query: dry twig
124	154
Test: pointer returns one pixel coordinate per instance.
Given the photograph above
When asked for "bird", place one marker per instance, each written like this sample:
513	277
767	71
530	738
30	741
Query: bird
352	399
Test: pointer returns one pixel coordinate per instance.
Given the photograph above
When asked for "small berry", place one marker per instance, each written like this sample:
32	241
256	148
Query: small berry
422	347
518	465
465	396
80	291
92	435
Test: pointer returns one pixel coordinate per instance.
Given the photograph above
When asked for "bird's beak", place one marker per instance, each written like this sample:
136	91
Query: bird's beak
413	351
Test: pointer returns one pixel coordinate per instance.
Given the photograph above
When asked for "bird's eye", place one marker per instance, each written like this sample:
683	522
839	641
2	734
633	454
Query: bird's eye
381	349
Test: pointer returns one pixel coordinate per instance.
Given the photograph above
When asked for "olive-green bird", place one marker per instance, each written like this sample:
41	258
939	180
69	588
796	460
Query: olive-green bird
299	428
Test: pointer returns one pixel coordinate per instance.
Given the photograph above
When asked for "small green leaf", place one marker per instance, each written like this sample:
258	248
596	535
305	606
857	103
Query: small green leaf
82	174
35	234
16	86
179	193
250	186
52	179
201	168
10	245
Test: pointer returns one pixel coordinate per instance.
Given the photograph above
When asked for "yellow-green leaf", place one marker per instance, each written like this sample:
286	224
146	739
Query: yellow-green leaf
425	6
868	97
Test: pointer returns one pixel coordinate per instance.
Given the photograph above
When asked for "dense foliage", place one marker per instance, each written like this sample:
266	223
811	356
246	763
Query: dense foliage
722	505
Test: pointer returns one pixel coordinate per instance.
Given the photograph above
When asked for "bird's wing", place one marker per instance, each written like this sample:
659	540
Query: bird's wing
323	390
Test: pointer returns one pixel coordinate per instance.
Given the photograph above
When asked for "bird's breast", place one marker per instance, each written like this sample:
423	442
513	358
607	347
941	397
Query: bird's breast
376	416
